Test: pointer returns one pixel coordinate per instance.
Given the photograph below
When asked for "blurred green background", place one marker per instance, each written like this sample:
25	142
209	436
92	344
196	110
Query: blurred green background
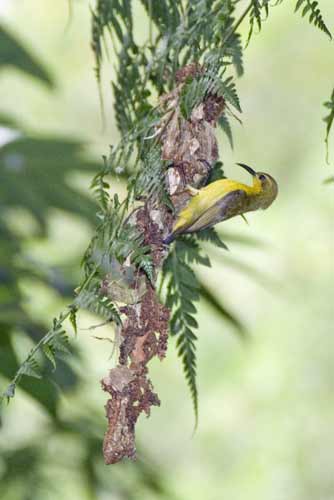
267	405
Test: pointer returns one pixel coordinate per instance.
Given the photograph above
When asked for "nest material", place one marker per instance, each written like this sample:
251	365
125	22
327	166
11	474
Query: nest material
144	334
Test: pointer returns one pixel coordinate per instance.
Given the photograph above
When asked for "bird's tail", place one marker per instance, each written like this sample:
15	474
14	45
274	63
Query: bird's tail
169	239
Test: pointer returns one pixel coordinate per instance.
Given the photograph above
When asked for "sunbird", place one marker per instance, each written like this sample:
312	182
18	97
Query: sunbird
223	199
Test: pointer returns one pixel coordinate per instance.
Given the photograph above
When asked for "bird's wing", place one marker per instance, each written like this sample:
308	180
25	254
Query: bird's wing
232	204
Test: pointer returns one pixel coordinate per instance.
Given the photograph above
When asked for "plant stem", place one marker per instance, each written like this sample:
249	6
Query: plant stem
237	24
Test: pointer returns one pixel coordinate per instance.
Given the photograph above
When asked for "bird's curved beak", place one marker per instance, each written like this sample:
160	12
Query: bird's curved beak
246	167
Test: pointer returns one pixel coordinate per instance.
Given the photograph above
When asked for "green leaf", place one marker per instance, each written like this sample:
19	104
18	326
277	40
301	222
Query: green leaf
73	318
230	93
31	368
50	161
101	189
235	50
187	275
50	354
217	172
12	53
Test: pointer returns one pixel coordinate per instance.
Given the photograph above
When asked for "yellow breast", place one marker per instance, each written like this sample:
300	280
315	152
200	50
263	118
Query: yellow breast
206	198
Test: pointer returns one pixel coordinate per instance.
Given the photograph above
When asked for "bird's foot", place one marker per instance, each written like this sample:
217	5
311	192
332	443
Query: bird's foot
191	190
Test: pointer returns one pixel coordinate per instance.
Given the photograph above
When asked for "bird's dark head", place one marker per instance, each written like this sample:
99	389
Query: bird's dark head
264	185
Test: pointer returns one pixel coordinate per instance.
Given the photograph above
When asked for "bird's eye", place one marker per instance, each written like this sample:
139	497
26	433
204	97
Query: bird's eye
262	177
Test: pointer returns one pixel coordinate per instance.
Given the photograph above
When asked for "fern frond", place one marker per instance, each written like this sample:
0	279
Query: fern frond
73	318
224	123
57	345
188	250
98	304
258	12
150	181
53	344
311	7
229	92
100	188
255	16
165	13
227	89
234	49
182	294
187	352
211	236
217	172
192	95
145	263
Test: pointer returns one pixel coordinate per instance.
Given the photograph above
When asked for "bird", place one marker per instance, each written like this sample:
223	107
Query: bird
221	200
